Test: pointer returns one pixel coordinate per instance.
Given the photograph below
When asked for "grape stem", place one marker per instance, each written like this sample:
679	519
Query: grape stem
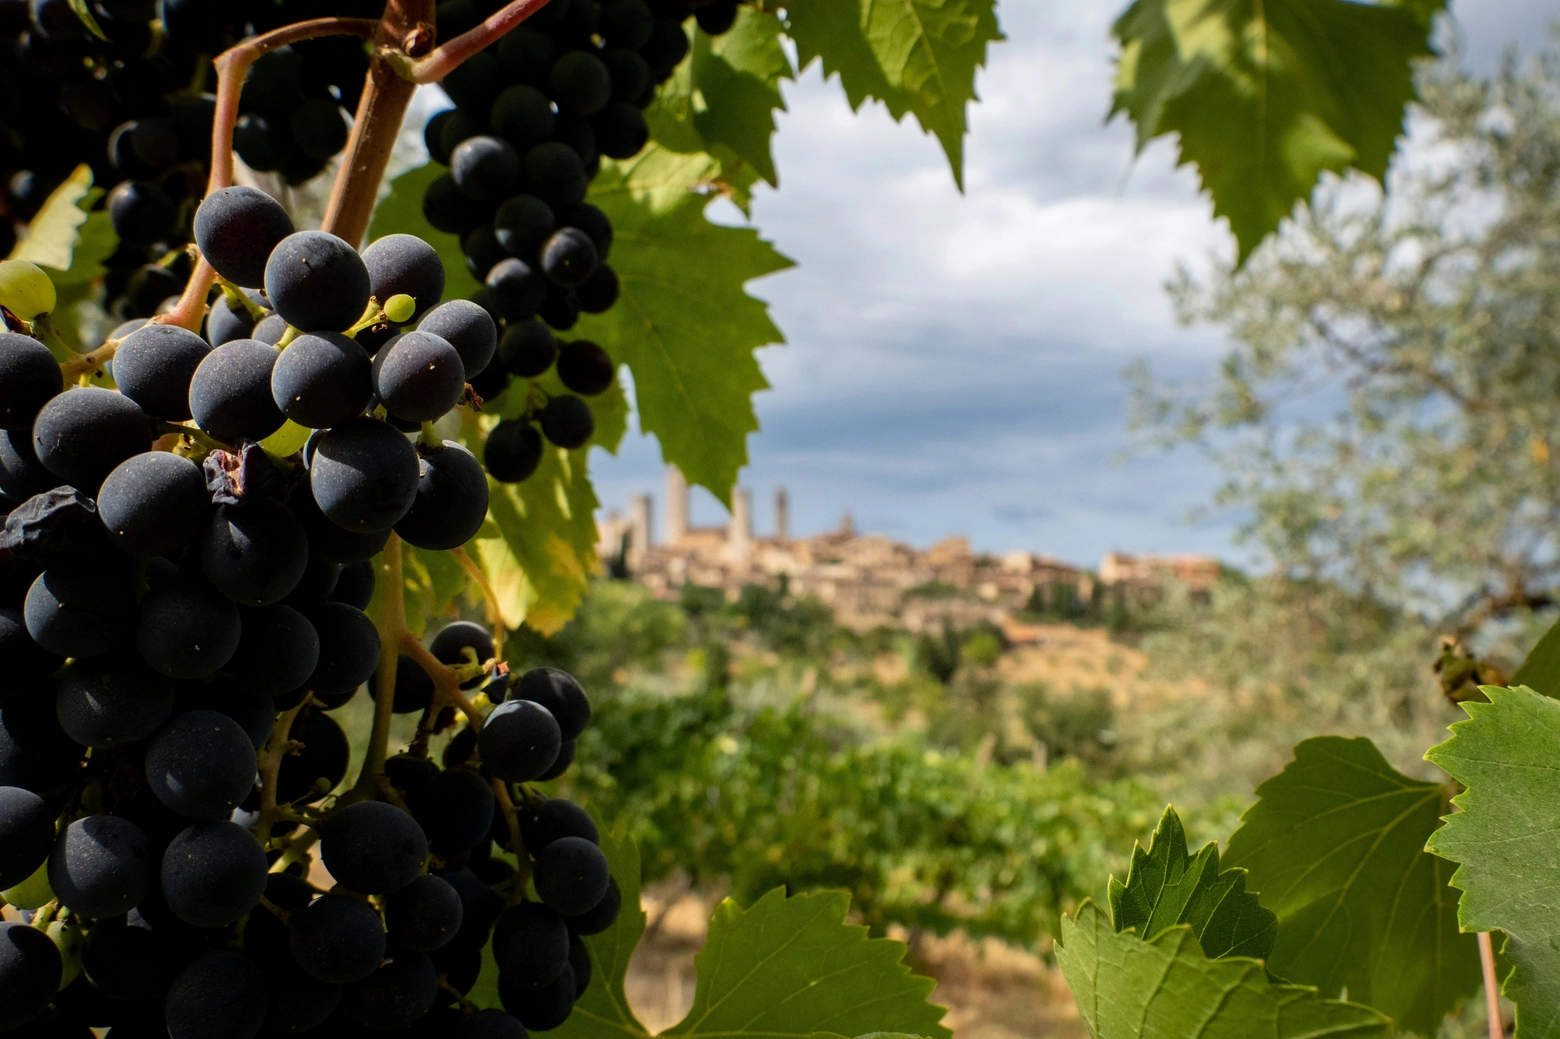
447	58
406	27
236	296
233	66
88	362
1497	1027
276	750
489	598
191	308
373	314
516	842
460	997
446	680
391	624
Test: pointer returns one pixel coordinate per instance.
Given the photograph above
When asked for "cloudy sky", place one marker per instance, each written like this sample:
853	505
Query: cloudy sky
954	361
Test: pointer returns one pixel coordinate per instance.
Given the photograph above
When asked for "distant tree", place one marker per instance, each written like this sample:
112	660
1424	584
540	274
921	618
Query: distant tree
1389	412
938	653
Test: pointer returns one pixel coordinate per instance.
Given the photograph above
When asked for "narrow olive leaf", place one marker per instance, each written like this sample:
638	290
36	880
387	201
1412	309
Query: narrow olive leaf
54	230
1503	840
1166	887
917	56
1128	988
684	324
1267	96
789	967
1335	846
1540	672
400	212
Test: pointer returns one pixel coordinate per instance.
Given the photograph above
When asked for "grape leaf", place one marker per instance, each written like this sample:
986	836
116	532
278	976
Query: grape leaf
95	242
786	968
1128	988
538	548
603	1010
83	11
53	233
739	74
1166	887
1503	840
609	407
540	551
661	176
792	967
433	581
916	56
1266	95
1335	846
400	212
683	324
1541	670
721	102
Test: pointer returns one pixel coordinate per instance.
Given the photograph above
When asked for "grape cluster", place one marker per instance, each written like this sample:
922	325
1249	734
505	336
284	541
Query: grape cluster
135	108
164	596
535	113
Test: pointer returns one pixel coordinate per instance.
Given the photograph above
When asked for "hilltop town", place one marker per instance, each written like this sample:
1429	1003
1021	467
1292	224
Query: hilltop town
869	579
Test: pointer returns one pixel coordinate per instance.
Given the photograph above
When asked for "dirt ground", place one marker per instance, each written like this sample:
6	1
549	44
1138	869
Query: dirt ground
992	990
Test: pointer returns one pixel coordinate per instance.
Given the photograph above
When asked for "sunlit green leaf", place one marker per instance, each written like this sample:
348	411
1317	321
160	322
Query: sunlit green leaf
1166	887
1266	95
603	1010
792	967
53	232
684	324
543	553
721	102
1541	670
1128	988
1335	846
433	582
917	56
1503	840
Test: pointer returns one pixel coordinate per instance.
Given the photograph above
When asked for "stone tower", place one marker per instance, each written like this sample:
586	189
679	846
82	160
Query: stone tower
676	505
739	535
782	515
640	531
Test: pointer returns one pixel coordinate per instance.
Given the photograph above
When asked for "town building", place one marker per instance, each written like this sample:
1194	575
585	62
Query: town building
869	579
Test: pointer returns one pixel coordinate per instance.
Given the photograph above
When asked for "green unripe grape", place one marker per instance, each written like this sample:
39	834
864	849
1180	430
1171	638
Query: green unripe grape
69	940
288	440
32	893
25	290
400	308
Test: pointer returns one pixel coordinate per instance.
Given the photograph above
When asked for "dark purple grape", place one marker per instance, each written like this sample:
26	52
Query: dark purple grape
236	229
29	379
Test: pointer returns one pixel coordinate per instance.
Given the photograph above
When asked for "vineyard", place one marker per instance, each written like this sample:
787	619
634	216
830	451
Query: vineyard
319	714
